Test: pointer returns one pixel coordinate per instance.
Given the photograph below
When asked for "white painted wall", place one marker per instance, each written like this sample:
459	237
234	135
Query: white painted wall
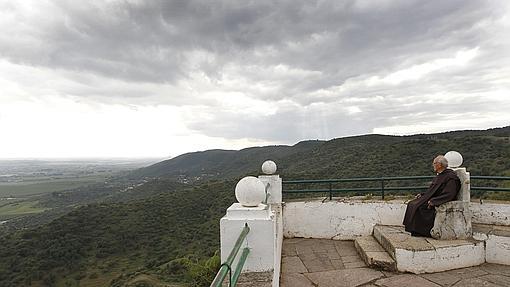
347	219
260	240
490	213
338	219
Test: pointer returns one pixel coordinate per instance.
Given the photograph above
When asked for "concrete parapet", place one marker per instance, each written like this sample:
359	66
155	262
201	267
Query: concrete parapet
342	219
346	219
490	213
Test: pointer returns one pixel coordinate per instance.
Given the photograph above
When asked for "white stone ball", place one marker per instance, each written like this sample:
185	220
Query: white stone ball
454	159
250	191
269	167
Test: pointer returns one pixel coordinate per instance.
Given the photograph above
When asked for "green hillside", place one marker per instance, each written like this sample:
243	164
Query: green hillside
221	163
376	155
160	236
485	152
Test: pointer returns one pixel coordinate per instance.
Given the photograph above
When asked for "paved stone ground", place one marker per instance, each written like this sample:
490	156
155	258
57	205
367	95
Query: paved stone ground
325	263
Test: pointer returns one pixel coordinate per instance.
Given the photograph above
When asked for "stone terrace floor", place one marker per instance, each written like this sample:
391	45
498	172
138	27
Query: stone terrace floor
324	263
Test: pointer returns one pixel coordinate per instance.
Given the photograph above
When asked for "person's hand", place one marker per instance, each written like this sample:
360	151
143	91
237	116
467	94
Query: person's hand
430	204
418	195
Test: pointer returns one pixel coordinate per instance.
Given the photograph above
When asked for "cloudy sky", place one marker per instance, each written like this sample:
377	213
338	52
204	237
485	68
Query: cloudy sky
159	78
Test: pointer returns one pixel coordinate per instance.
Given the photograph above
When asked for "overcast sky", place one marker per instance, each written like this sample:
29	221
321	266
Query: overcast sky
160	78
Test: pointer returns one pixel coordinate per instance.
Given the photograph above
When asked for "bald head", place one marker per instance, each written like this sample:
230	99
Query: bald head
440	163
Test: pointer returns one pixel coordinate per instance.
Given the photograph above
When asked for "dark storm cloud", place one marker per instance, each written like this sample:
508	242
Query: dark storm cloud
153	40
322	64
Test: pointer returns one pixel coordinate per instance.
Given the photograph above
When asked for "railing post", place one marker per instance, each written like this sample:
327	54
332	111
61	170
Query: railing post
330	193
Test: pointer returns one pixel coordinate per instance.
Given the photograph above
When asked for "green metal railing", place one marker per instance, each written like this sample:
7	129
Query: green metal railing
382	187
226	267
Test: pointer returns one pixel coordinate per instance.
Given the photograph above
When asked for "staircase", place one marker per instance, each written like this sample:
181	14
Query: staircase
391	248
374	254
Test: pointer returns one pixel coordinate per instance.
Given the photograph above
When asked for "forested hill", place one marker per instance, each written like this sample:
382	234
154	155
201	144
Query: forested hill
222	163
485	152
171	236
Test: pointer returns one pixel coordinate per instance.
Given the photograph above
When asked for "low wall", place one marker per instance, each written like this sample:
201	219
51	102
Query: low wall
490	213
338	219
349	218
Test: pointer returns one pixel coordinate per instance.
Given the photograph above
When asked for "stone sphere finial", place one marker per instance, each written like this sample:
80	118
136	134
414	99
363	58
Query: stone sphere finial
454	159
250	191
269	167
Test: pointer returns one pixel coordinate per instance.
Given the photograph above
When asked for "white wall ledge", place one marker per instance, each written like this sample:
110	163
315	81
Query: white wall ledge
346	218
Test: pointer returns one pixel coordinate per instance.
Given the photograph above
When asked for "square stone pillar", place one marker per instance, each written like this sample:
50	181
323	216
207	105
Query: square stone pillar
274	187
260	239
465	184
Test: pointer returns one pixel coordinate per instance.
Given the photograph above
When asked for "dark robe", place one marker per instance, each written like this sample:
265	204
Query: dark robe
419	218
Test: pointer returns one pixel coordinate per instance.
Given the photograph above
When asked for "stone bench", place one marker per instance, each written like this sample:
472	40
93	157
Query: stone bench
453	219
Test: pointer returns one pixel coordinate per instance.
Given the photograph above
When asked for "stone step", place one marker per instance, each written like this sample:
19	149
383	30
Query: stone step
381	233
374	254
426	255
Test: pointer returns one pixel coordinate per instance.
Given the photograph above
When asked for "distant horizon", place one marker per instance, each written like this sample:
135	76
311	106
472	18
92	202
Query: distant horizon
65	159
161	158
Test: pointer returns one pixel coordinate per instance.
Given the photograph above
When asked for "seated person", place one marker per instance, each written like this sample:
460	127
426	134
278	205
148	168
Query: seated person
420	212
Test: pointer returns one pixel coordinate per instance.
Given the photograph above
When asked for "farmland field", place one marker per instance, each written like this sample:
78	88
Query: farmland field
20	208
30	188
26	186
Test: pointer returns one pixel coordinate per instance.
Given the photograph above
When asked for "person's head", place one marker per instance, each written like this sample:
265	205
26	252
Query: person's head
440	163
